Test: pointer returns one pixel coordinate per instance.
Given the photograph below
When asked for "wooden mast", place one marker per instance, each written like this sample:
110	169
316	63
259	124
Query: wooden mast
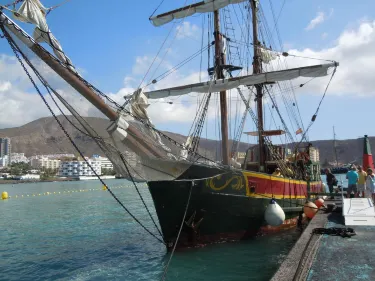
257	68
219	62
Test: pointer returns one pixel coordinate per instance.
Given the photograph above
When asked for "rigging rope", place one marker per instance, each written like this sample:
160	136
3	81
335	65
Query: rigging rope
278	17
157	8
17	51
317	109
178	235
161	47
56	6
13	3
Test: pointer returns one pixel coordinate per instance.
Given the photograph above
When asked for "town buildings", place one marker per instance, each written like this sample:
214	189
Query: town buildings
18	158
4	161
45	163
5	151
79	168
105	163
67	164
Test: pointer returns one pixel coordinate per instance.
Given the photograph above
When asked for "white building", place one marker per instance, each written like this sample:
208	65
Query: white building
30	177
105	162
45	163
4	161
18	158
53	156
79	168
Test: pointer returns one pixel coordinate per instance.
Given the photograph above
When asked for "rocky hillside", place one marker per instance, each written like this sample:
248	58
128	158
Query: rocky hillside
43	136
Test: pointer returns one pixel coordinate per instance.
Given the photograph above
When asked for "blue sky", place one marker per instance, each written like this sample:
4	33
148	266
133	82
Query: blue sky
113	44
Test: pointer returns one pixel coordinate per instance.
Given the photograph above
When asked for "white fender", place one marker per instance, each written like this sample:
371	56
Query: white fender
274	214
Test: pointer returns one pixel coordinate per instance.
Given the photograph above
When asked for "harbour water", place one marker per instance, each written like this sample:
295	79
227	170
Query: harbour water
84	234
341	179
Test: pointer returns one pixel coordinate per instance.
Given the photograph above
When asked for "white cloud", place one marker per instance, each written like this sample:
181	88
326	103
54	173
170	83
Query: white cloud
353	49
20	101
320	17
5	86
186	29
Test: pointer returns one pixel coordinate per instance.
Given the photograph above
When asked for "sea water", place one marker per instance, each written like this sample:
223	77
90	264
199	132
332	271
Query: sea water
84	234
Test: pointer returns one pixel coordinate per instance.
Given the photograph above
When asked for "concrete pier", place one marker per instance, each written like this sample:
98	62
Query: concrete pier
324	257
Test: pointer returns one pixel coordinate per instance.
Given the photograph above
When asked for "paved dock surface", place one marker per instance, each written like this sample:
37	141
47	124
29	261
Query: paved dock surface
345	258
322	257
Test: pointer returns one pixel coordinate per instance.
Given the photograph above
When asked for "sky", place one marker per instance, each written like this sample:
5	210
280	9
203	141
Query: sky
113	44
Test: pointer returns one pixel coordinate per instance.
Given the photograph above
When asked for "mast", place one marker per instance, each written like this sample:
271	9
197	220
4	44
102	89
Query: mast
257	68
219	62
334	145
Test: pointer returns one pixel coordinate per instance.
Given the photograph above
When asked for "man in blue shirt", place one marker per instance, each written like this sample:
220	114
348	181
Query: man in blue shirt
352	177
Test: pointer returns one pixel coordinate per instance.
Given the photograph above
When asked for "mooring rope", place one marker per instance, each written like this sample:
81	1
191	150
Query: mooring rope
17	50
178	235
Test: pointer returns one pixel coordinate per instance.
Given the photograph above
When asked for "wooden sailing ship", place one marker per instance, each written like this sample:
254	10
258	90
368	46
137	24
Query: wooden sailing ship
218	201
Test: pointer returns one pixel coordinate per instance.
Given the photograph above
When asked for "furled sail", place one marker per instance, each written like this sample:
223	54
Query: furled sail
248	80
266	133
32	11
201	7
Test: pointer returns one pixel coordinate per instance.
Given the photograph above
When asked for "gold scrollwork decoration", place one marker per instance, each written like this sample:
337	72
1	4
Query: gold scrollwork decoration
235	181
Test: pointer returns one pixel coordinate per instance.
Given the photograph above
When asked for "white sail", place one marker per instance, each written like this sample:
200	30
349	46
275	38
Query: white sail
32	11
227	84
201	7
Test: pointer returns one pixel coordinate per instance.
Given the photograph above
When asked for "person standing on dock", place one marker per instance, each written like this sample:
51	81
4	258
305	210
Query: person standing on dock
331	179
362	175
370	183
352	177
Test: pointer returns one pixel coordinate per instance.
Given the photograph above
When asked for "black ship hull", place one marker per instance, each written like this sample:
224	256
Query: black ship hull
225	207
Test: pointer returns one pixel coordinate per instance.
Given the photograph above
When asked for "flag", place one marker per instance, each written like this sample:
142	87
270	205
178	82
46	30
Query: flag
299	131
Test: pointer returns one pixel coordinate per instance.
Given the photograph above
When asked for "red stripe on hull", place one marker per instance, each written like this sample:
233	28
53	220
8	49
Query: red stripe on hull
280	187
219	238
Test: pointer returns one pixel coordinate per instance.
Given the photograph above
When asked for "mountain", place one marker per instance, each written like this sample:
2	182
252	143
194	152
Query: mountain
44	136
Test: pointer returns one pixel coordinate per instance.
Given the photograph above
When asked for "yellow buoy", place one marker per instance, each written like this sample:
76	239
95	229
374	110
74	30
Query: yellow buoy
104	187
4	195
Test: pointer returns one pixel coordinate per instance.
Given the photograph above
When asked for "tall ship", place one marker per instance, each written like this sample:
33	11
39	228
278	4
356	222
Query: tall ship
198	199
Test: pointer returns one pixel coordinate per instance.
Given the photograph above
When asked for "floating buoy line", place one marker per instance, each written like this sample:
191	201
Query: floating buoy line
5	195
